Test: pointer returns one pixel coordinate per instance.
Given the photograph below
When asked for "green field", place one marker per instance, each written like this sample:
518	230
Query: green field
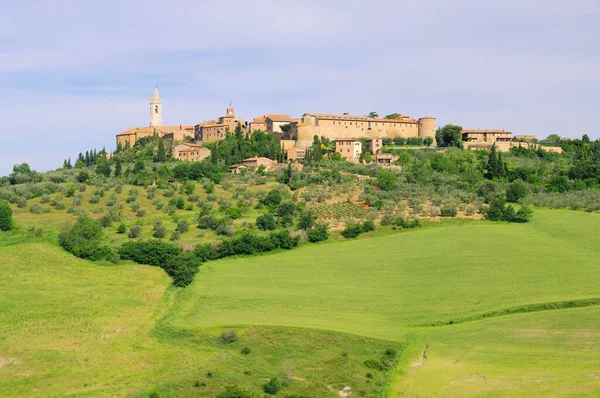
70	327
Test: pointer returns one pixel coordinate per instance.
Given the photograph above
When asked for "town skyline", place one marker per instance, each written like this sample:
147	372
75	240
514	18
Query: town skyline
90	79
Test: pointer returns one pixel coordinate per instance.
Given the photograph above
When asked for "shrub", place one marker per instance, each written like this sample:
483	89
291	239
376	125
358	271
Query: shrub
206	222
209	187
272	386
84	239
229	336
266	222
135	232
319	233
183	226
245	351
516	191
178	202
390	352
6	219
233	212
175	236
448	211
35	208
182	268
373	364
286	208
273	198
150	252
140	212
121	229
105	221
206	252
352	230
368	226
283	240
159	231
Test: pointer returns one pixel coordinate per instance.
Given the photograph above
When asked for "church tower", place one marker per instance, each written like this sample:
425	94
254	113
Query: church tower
155	110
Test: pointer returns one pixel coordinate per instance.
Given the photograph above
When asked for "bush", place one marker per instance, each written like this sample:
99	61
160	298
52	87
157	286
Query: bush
273	198
273	386
159	230
183	226
105	221
368	226
6	219
448	211
516	191
373	364
206	222
182	268
233	212
175	236
229	336
319	233
266	222
283	240
206	252
121	229
135	232
352	230
35	208
246	351
84	239
150	252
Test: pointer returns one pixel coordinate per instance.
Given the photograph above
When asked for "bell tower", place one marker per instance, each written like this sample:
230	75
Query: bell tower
155	110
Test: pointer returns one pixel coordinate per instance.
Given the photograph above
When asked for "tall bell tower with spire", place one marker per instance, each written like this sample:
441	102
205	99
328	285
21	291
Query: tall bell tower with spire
155	110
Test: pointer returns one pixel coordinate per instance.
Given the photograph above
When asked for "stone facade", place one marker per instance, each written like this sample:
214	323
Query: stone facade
349	148
335	126
216	130
190	152
373	144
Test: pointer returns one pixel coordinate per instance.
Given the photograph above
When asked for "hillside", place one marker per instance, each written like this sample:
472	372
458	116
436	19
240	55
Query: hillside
317	321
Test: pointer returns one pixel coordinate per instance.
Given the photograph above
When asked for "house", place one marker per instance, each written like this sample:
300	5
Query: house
385	158
237	168
274	123
216	130
485	139
349	148
524	138
190	152
259	124
373	144
296	153
256	162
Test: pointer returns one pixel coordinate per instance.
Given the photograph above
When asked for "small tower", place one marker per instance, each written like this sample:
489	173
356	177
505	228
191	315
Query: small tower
155	110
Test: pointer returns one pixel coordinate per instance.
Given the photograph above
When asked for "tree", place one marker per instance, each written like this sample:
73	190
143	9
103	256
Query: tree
374	115
84	239
6	220
160	154
266	222
394	116
516	191
428	141
386	180
451	135
118	167
102	167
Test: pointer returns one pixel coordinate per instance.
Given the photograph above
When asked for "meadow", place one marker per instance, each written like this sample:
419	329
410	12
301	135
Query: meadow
314	315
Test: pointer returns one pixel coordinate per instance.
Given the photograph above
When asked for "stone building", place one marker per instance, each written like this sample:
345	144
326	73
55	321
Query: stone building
336	126
258	124
373	144
295	153
190	152
216	130
484	139
177	133
274	123
349	148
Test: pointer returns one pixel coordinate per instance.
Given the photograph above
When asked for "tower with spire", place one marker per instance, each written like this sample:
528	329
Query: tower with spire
155	110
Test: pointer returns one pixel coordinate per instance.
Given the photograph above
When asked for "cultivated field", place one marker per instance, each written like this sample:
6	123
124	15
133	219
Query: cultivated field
314	315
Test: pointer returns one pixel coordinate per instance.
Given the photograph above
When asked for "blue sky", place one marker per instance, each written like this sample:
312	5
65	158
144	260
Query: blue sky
75	73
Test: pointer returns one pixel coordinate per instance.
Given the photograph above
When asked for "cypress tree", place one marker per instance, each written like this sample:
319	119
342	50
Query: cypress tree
492	166
118	167
161	156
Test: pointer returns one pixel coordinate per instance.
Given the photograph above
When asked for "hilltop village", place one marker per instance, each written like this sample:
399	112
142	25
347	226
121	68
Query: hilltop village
353	135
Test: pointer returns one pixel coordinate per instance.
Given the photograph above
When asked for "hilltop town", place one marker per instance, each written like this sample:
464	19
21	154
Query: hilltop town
352	135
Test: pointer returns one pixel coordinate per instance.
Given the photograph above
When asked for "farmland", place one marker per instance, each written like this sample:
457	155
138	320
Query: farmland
316	322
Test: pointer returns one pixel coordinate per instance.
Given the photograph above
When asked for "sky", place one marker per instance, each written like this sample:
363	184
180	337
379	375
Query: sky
73	74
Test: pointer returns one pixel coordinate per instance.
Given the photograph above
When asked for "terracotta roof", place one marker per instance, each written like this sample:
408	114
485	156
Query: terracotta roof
260	119
345	139
279	118
161	129
257	158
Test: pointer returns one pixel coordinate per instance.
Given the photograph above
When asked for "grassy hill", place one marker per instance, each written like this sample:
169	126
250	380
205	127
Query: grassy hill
315	314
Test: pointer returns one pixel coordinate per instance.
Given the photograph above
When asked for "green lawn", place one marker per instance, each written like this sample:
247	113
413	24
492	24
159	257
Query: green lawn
377	287
73	328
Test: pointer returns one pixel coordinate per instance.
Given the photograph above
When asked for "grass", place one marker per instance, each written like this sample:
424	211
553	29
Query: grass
73	328
376	287
316	314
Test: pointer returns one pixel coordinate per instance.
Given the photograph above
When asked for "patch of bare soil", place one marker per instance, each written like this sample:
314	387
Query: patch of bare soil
421	360
476	378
